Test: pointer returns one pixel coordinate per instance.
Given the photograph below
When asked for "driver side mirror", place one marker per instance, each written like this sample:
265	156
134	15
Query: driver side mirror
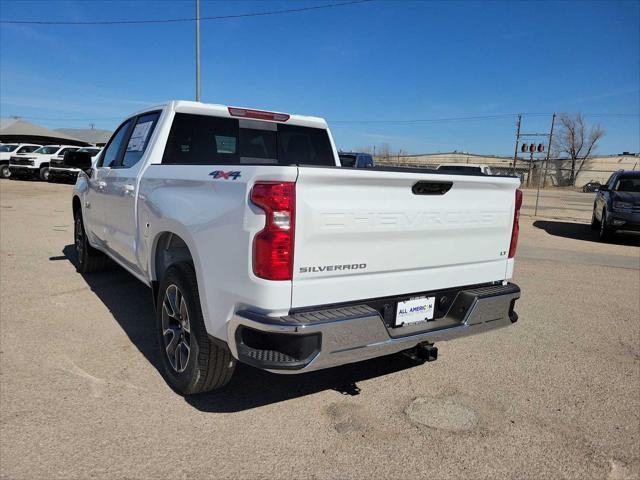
81	160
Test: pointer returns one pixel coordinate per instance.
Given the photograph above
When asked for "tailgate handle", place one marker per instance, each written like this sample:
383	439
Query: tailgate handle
431	188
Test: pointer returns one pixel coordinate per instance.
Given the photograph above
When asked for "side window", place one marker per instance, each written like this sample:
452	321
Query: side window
202	140
65	150
139	139
112	151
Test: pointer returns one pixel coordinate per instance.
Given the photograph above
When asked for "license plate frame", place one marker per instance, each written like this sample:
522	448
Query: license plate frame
415	310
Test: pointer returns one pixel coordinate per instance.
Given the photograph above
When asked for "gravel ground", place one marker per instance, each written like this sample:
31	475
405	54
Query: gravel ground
555	396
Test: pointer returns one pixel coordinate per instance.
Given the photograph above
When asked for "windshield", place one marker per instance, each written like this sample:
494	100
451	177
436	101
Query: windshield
628	184
347	160
92	151
47	150
8	148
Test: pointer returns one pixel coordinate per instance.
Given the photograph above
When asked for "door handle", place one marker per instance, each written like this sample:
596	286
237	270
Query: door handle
129	189
102	184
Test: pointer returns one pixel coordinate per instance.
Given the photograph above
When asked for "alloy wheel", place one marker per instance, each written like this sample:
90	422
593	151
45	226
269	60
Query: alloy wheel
79	238
176	329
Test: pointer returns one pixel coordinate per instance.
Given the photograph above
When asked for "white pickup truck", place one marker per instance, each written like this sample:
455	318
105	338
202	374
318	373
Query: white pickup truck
260	248
36	163
59	171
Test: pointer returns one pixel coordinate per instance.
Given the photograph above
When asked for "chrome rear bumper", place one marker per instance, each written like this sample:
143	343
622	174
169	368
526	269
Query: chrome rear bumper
320	339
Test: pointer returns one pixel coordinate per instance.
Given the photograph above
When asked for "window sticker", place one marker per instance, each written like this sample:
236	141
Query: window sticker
139	136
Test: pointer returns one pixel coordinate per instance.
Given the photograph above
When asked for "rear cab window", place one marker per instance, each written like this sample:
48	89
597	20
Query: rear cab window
209	140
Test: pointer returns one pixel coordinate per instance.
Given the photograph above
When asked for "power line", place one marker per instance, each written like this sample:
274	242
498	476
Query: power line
426	120
182	20
473	117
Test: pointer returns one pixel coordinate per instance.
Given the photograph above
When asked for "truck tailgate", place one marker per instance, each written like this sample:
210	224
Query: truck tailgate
364	234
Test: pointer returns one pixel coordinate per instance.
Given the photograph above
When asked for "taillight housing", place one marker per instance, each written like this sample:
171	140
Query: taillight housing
273	245
516	224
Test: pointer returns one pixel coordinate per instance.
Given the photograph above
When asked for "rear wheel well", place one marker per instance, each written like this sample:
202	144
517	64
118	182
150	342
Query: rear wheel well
75	205
170	250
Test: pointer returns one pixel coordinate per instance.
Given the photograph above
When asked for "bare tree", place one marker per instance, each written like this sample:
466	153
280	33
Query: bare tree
384	151
576	141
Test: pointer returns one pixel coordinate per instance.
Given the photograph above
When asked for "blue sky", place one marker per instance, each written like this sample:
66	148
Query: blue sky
360	66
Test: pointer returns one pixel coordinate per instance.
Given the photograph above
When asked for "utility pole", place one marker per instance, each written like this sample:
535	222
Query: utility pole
546	165
515	153
530	168
197	50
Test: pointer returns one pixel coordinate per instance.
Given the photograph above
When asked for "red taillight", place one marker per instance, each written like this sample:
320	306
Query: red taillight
273	245
516	225
258	114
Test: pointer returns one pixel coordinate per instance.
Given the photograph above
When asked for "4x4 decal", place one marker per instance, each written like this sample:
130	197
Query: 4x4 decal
219	174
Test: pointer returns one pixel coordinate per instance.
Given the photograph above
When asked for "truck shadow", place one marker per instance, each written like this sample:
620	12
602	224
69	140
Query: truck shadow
582	231
130	303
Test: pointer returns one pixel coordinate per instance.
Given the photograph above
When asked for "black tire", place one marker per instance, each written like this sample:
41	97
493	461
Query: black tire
595	224
4	171
88	259
208	364
605	232
44	174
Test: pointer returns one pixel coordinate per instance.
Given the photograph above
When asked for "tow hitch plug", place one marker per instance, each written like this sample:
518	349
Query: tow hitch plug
423	352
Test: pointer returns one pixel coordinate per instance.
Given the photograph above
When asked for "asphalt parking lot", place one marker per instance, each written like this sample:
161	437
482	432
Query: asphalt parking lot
557	395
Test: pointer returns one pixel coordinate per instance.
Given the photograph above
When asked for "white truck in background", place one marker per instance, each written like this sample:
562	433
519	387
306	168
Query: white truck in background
58	171
259	248
7	150
36	163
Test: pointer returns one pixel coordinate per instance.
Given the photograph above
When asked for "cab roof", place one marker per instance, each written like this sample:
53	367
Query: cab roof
229	111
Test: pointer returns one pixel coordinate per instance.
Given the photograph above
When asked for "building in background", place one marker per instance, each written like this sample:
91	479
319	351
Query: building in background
94	136
16	130
597	168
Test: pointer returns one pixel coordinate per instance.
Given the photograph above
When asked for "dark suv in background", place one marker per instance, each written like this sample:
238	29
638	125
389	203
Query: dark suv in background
355	159
617	205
